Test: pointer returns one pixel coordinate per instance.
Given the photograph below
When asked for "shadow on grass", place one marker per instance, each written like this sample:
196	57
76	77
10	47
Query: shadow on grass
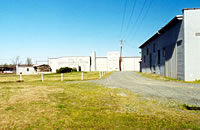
191	107
8	82
12	81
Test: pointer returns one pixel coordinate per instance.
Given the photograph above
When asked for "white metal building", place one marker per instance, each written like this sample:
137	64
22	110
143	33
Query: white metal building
25	69
174	51
93	63
81	63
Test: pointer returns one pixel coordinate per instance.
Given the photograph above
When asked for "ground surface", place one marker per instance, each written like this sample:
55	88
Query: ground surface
183	92
77	104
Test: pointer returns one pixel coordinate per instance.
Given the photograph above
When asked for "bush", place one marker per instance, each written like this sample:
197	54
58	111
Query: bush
74	69
64	70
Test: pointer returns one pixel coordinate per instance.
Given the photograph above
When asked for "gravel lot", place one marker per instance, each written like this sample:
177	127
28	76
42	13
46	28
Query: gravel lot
150	88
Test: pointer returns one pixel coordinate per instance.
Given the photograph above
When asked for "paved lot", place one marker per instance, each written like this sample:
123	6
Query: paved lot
182	92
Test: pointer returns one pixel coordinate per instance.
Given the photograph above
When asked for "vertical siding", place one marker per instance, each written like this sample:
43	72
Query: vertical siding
169	63
101	64
180	54
130	63
192	44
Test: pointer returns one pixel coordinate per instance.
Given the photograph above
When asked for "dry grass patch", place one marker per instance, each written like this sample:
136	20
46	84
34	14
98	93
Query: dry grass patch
159	77
164	78
58	105
53	77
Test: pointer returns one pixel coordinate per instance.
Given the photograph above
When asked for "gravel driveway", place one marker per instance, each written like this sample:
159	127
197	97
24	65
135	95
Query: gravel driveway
182	92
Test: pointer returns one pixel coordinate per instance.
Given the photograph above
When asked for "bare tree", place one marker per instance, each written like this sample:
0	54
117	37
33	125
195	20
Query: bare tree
16	60
29	61
5	65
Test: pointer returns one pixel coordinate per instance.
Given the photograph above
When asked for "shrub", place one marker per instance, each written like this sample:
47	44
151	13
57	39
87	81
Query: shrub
64	70
74	69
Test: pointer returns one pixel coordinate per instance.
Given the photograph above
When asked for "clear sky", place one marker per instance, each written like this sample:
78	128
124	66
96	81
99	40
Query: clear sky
53	28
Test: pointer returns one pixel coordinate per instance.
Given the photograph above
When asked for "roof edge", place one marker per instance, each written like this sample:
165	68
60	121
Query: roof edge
163	29
190	9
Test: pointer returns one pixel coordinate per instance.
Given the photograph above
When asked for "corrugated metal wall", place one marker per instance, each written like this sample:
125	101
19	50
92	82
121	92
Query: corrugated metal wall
172	64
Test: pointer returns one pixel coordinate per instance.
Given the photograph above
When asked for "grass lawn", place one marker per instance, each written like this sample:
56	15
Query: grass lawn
84	105
52	77
160	77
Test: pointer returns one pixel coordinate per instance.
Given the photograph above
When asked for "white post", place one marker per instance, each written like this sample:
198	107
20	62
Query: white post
82	75
20	77
100	74
61	76
42	77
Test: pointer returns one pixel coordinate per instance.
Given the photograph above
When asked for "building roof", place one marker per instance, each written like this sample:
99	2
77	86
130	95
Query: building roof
41	65
164	29
25	65
131	56
190	9
9	66
69	56
101	57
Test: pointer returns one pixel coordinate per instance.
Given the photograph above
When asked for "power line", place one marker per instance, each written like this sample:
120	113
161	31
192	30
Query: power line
124	13
130	18
140	13
148	8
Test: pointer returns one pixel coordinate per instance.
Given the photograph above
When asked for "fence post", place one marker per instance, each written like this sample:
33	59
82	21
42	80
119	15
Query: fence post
100	74
61	76
82	75
42	77
20	77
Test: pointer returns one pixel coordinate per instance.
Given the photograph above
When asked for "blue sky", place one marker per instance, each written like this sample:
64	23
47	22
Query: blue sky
53	28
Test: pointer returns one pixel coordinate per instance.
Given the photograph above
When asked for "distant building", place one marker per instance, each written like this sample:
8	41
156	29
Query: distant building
81	63
174	51
7	68
32	69
42	68
25	69
93	63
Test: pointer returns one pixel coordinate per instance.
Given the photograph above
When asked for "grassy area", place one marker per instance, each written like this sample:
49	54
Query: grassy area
84	105
160	77
52	77
157	77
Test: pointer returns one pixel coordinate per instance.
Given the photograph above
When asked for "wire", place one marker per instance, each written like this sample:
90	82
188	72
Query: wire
148	8
130	18
123	19
140	13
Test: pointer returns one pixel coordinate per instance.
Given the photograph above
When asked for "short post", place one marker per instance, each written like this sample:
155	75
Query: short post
61	76
82	75
100	74
20	77
42	77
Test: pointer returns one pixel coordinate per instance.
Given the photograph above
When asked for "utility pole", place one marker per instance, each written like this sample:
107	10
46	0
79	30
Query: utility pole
120	58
